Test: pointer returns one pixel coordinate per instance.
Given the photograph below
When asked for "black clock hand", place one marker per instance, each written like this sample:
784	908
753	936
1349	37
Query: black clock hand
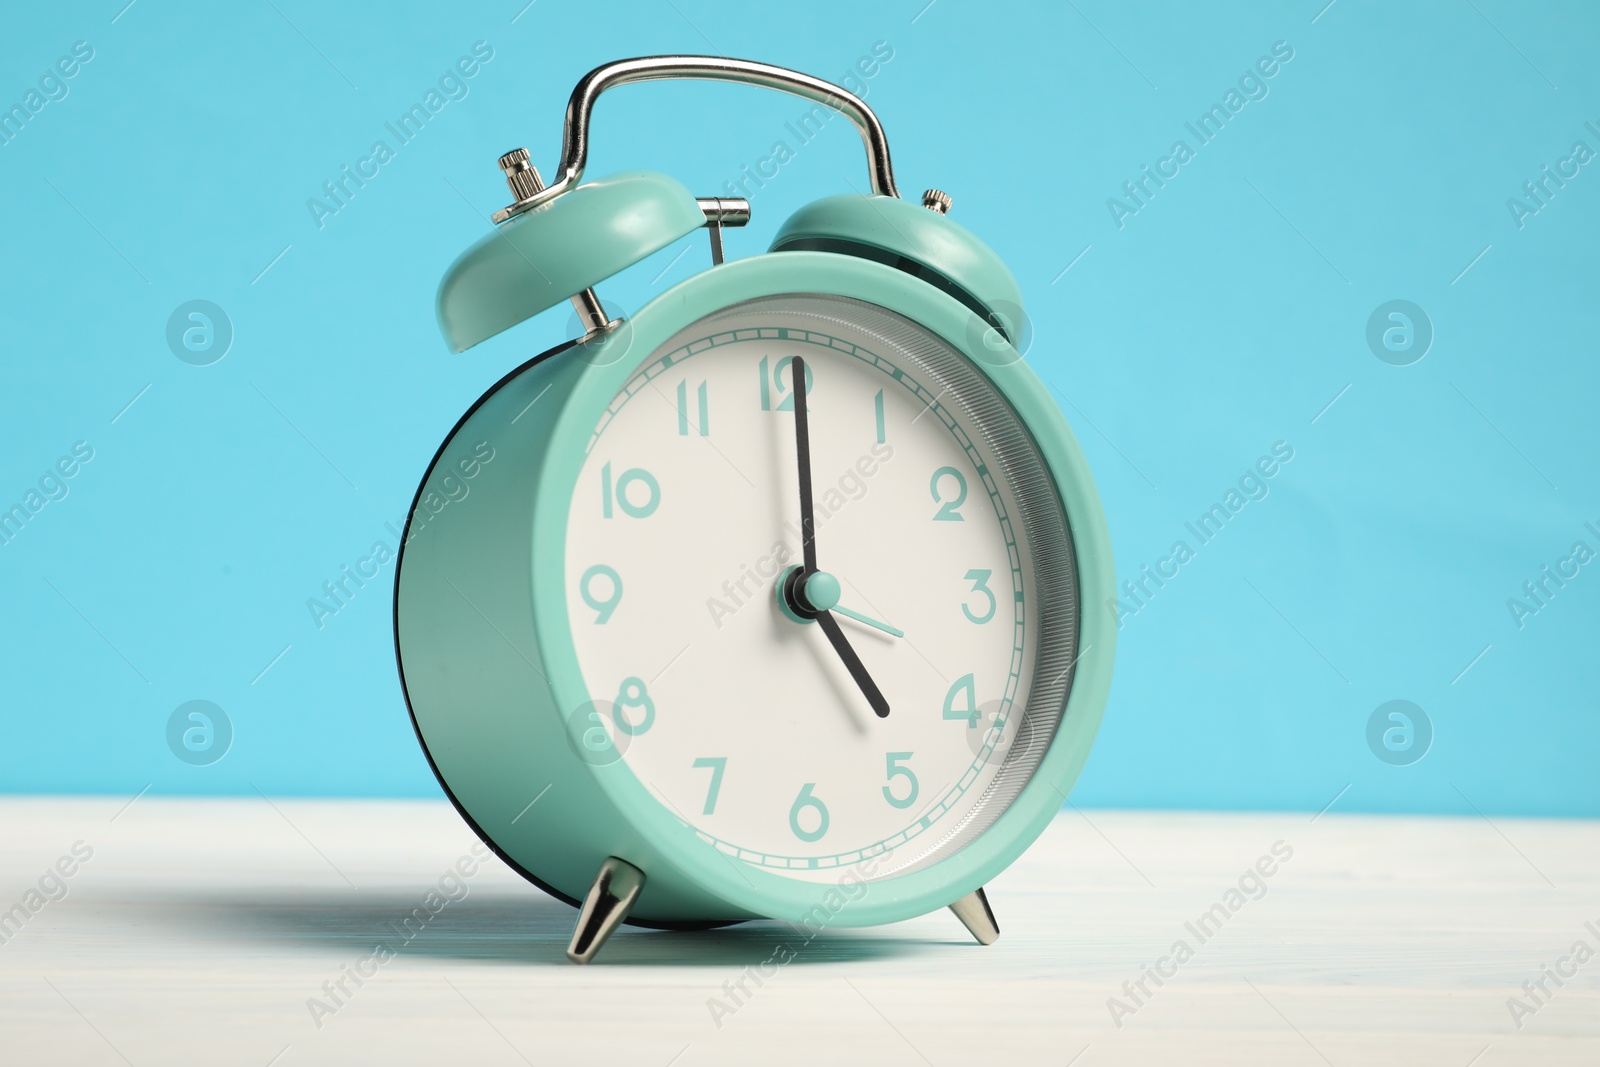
853	664
808	544
802	449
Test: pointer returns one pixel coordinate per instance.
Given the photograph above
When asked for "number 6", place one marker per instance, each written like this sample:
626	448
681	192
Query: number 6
806	800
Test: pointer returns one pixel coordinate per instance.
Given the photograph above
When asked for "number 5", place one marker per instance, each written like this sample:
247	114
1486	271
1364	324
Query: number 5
895	771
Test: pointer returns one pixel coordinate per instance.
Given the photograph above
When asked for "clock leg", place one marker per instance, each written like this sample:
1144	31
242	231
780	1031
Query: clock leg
974	912
615	889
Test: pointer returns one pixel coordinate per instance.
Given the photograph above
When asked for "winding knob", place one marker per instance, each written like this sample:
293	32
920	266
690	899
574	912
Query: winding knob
935	200
521	176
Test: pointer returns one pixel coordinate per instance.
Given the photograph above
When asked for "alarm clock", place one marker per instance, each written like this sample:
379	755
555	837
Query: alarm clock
780	598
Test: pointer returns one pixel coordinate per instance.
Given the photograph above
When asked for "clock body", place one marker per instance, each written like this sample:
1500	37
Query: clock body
597	656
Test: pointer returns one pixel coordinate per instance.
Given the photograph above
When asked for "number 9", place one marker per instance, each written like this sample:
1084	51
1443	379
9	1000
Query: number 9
607	606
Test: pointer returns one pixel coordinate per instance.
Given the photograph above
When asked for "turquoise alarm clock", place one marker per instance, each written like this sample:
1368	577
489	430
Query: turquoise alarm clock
781	598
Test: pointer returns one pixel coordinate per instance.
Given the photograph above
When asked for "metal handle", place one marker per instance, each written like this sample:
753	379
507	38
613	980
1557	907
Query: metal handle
575	137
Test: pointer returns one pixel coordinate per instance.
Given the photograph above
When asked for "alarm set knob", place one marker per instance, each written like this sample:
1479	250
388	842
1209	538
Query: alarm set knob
937	200
521	175
523	178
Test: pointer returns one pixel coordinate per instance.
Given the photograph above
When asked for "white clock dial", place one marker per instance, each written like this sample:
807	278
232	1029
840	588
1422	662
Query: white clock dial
952	576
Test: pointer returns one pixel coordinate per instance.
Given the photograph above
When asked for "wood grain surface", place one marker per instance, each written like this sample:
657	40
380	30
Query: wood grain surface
218	931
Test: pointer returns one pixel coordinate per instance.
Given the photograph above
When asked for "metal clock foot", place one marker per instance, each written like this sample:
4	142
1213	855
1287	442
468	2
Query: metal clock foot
974	912
615	889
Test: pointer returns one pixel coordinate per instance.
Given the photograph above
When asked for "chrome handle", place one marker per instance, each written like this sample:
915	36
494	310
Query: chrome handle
575	136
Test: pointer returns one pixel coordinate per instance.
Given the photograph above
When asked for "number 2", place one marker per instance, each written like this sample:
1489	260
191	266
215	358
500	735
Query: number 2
947	508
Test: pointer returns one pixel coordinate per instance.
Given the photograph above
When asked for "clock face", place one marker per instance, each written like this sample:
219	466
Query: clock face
944	555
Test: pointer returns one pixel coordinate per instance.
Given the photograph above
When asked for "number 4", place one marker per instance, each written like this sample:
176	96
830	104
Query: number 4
964	684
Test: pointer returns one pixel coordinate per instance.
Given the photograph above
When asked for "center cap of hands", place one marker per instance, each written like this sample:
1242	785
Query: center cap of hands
802	596
820	591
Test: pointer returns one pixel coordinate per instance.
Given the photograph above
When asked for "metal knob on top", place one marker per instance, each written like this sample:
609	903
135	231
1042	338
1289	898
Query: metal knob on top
521	176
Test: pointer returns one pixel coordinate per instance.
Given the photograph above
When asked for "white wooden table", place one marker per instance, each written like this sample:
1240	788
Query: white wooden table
199	930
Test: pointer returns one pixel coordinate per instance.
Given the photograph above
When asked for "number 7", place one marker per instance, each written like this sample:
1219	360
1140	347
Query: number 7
718	764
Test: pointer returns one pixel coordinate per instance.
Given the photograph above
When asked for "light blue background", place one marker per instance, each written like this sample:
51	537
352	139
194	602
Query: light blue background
1223	317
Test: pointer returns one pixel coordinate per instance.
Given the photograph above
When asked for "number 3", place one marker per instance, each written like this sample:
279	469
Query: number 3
980	584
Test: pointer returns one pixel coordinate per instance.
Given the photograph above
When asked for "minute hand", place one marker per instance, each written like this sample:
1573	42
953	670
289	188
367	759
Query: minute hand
808	544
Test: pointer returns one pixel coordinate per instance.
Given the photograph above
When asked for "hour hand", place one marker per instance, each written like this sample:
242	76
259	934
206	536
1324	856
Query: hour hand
807	597
853	664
